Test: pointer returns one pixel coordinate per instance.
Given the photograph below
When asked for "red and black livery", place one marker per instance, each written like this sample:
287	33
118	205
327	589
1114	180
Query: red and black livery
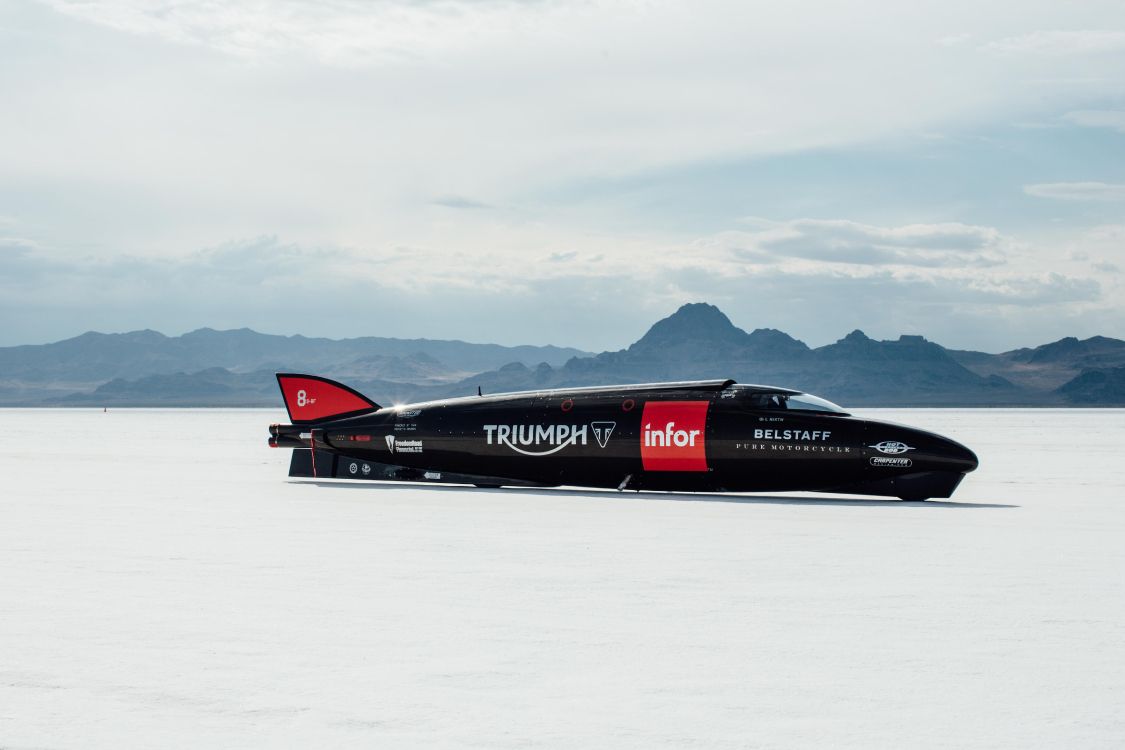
697	436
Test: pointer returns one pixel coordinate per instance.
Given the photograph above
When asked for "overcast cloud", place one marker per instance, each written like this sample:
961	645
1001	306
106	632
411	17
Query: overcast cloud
562	171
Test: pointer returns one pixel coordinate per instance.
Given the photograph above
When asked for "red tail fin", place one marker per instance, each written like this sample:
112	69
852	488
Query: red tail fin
310	398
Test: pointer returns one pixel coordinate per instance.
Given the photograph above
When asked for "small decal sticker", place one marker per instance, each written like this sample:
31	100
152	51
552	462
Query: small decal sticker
887	461
891	447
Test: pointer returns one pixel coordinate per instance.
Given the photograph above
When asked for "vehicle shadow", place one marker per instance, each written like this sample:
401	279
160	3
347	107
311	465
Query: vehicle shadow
681	497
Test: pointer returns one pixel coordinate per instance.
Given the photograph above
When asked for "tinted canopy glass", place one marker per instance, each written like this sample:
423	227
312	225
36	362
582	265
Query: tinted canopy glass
792	402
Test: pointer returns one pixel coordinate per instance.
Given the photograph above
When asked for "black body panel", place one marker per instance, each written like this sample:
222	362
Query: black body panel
712	436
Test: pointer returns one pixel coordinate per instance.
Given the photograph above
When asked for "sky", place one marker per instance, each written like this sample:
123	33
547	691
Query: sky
563	171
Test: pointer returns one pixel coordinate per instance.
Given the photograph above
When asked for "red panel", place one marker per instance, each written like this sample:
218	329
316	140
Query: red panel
673	436
310	399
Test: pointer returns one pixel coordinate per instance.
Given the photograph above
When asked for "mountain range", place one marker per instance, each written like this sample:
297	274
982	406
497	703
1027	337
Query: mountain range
235	368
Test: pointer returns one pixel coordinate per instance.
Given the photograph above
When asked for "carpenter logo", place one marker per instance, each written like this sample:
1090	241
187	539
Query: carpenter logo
673	436
887	461
891	447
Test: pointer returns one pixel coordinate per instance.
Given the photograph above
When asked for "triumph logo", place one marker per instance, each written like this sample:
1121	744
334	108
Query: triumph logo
391	443
556	436
602	431
891	447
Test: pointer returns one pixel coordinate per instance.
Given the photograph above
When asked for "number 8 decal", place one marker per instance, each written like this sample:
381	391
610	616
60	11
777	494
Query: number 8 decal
302	398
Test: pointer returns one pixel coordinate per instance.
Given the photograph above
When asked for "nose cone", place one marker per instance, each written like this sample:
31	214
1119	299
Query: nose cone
925	451
958	456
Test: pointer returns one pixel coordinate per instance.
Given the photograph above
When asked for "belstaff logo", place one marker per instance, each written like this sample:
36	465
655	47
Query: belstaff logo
391	443
673	436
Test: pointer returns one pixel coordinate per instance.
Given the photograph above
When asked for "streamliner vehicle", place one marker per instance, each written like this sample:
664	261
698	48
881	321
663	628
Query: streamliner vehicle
696	436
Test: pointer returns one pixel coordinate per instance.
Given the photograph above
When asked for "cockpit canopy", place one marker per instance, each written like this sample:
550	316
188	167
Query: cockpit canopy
760	397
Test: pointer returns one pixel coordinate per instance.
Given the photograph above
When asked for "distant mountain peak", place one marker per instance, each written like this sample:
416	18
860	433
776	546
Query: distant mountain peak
695	321
856	336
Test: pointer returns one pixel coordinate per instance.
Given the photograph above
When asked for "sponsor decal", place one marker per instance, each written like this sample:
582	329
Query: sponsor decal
771	419
353	467
673	436
394	445
432	475
342	437
728	394
538	439
602	431
891	447
805	435
408	446
887	461
366	469
410	413
793	447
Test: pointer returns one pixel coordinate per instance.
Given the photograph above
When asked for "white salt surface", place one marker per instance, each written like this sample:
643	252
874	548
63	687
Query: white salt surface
162	584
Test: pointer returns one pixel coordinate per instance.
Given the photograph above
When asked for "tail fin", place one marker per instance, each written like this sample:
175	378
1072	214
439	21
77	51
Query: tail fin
310	398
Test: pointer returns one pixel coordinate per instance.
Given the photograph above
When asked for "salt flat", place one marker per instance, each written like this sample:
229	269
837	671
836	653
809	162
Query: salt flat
162	584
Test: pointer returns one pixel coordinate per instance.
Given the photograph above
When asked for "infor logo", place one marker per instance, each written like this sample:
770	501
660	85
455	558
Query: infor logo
673	436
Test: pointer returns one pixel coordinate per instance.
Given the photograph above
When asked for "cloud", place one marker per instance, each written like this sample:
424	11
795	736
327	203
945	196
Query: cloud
459	201
955	40
1077	191
1098	118
574	298
342	32
1059	43
850	242
537	170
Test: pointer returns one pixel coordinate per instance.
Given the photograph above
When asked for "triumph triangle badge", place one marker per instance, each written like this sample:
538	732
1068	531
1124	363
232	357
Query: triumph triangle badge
602	431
